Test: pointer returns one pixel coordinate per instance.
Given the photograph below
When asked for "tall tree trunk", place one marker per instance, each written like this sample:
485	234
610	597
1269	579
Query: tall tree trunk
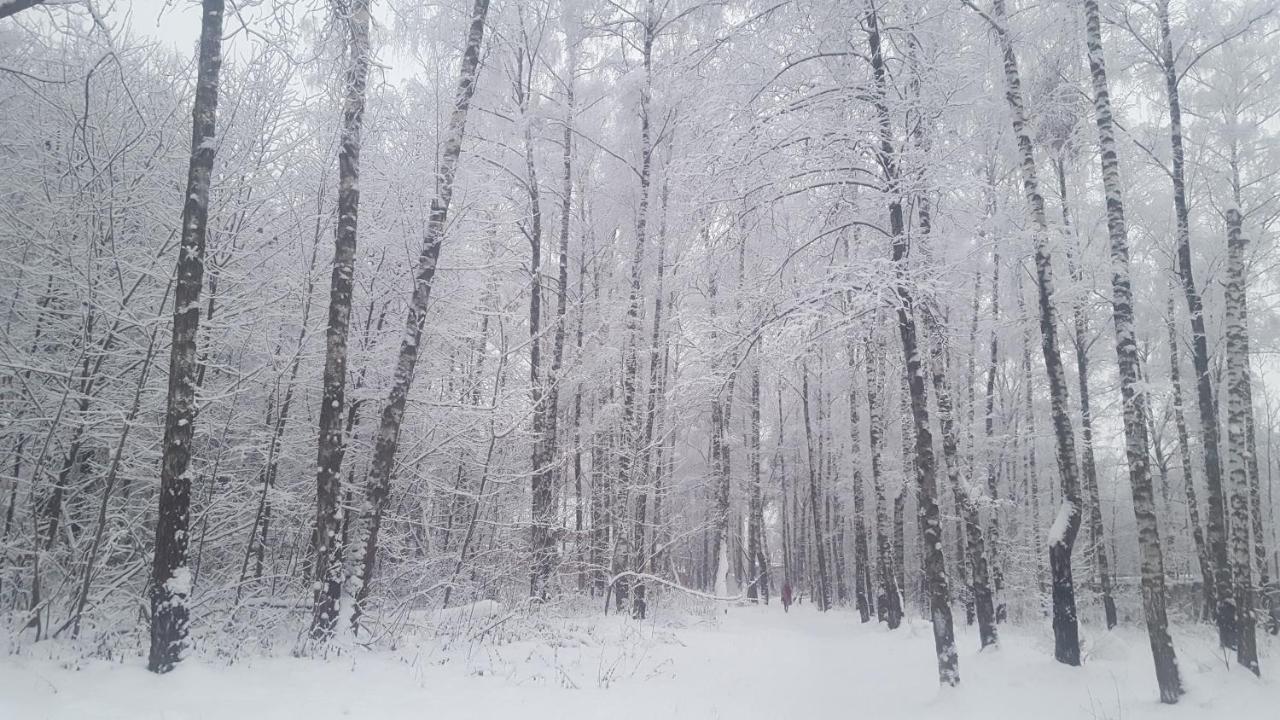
170	576
989	431
974	543
815	503
388	437
1137	443
755	503
1225	612
1238	412
331	442
631	363
861	559
889	599
542	511
1088	466
1184	453
1063	534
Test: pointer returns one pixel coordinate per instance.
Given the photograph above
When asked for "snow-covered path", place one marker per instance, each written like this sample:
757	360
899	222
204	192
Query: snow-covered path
754	663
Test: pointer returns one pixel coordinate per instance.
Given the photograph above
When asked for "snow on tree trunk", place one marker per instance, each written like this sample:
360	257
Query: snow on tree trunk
170	576
330	444
1238	412
1065	626
1225	612
815	504
973	540
1132	389
889	598
861	558
387	439
1184	455
992	457
1088	464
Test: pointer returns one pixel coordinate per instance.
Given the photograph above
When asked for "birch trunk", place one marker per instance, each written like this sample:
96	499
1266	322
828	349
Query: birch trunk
861	559
1224	612
815	503
889	600
1088	465
1137	443
1184	454
1238	411
1063	534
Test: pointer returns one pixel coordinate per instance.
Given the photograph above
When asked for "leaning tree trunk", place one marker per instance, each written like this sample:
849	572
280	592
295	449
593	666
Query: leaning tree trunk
1137	443
1062	536
330	445
1088	465
388	436
1225	612
1238	412
170	576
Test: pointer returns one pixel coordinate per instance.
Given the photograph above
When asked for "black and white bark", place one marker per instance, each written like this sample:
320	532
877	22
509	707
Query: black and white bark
1238	421
1216	530
821	581
1088	463
1132	389
1066	526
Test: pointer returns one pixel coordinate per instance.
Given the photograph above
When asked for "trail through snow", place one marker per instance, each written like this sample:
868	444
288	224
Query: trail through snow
753	663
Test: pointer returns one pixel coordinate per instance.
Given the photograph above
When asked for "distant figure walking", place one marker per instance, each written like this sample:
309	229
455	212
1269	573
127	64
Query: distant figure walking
786	597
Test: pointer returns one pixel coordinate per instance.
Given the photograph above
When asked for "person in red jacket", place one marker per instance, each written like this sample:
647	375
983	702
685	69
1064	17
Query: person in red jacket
786	597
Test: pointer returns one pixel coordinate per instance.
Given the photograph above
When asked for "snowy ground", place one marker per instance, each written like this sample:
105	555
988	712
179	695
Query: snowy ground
750	663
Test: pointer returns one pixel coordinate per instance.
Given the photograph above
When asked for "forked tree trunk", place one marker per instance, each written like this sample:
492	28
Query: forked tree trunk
331	442
170	576
388	436
1137	443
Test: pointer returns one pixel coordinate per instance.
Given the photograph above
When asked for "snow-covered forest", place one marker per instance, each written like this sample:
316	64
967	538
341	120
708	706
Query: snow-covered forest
582	358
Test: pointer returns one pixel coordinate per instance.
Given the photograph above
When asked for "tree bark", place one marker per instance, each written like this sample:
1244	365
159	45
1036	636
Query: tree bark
331	442
1137	443
815	504
1238	412
1067	525
170	576
1088	465
1225	612
388	436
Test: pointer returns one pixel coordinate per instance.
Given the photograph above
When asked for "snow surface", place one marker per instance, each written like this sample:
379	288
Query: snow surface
748	663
